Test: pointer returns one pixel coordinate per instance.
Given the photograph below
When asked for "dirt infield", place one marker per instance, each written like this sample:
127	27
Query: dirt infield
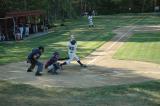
102	69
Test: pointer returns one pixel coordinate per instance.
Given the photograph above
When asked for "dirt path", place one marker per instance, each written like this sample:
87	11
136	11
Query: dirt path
102	69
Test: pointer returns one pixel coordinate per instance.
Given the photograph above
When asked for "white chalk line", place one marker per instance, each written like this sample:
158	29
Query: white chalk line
115	42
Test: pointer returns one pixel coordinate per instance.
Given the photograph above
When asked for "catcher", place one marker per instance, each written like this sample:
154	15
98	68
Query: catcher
52	65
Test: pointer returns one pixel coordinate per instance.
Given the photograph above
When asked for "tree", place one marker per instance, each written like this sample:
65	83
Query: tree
56	9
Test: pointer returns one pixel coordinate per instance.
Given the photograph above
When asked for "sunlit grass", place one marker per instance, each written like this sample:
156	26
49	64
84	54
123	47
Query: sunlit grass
150	20
88	38
142	47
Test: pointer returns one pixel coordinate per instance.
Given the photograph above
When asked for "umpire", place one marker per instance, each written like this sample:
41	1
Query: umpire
33	60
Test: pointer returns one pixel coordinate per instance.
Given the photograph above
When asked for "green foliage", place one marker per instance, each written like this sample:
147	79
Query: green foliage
61	9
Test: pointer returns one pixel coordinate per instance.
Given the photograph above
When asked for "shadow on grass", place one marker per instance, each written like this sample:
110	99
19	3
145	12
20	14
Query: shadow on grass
17	51
20	90
142	94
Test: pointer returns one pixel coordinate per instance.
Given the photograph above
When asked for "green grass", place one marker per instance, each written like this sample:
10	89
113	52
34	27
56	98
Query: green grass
142	94
142	47
88	39
150	20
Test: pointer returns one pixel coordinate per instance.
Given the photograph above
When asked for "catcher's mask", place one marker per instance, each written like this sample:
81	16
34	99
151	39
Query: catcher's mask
56	54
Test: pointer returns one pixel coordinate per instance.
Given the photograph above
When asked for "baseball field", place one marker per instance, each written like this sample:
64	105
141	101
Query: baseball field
122	53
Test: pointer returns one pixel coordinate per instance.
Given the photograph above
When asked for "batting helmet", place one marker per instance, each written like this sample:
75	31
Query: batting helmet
73	42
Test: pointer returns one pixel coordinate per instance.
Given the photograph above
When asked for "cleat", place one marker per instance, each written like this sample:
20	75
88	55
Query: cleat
49	71
38	74
54	73
29	70
83	66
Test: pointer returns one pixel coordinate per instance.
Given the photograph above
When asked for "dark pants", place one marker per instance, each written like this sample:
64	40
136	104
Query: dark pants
56	66
34	63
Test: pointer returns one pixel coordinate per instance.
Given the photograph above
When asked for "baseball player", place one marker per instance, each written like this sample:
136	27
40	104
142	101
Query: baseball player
90	20
72	46
21	31
33	60
52	64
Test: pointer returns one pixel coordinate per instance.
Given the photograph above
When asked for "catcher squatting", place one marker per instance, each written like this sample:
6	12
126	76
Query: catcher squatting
52	65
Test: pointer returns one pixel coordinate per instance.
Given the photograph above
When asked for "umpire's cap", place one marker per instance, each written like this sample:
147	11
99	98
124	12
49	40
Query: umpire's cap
41	48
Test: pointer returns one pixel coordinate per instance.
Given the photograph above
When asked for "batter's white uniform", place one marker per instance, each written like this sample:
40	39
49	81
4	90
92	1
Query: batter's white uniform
72	53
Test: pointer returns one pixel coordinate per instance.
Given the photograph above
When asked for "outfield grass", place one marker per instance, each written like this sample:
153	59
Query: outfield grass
150	20
142	94
88	39
142	47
